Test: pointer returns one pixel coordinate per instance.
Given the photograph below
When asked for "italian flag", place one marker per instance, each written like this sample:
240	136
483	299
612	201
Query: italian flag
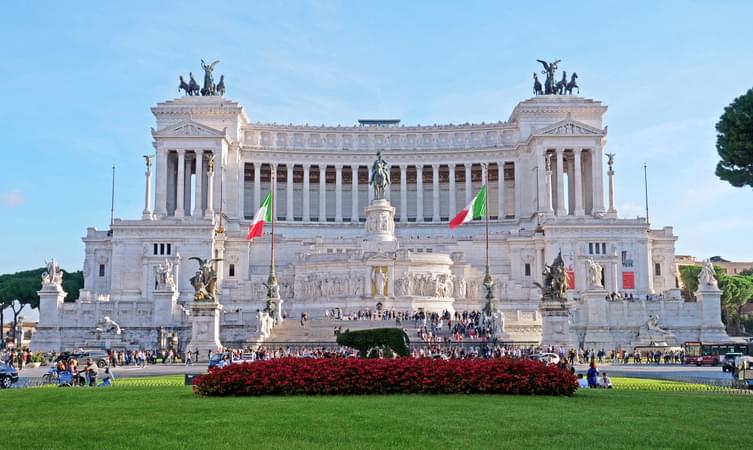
263	215
476	209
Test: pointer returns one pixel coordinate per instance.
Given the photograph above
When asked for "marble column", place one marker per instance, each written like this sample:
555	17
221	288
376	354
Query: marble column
435	192
354	194
569	166
210	192
560	182
322	193
241	186
289	193
548	204
273	189
468	184
147	214
403	193
187	185
453	195
518	187
501	190
198	210
419	193
160	196
306	194
610	173
338	193
579	211
597	177
180	185
257	185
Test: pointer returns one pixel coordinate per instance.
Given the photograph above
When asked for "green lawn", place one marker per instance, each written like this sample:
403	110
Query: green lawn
159	413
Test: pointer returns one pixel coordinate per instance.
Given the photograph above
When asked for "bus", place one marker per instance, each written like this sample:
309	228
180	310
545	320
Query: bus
700	353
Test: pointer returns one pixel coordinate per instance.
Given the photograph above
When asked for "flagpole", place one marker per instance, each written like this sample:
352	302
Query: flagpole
272	183
488	281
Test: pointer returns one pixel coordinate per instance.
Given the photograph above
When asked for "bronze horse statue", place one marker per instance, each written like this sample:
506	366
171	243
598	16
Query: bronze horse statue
537	90
572	84
190	88
559	89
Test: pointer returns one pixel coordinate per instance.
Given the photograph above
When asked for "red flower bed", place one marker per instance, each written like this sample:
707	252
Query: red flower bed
349	376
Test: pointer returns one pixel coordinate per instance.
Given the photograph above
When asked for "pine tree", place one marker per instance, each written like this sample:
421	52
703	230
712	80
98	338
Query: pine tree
734	142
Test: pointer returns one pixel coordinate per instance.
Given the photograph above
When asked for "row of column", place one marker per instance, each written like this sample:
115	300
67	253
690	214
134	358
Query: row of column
180	191
403	213
577	184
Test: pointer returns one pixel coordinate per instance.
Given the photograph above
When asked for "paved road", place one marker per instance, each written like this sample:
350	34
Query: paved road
709	375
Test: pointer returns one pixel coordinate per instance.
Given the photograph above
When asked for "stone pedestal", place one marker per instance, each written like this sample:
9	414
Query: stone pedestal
275	304
556	324
205	327
380	227
165	305
711	326
595	313
47	336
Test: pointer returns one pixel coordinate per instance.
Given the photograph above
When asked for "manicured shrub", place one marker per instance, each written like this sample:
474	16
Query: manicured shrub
371	341
354	376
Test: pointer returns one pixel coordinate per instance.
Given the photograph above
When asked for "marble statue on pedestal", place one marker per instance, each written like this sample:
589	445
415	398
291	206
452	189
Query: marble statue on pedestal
595	275
53	276
707	277
107	325
163	275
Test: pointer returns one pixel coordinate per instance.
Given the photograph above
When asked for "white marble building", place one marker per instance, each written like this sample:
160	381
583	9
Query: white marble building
547	177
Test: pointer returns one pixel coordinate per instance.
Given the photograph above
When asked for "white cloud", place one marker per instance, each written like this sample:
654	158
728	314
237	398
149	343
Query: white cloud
11	199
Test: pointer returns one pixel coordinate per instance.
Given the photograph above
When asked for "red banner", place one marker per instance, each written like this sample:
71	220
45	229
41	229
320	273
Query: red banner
628	280
571	280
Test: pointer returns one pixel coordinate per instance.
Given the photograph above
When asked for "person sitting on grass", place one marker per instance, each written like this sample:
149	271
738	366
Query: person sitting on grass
582	383
606	383
91	372
107	378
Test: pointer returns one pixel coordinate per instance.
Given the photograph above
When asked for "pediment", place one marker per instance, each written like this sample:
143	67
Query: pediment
570	127
189	128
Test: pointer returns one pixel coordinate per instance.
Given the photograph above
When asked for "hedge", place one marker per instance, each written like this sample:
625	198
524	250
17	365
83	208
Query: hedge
355	376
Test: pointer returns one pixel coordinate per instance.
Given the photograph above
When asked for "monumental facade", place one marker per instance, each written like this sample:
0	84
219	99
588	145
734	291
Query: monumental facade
337	246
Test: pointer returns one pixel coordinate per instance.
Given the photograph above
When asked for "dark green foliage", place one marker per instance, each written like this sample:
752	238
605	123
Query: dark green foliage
734	142
23	286
386	339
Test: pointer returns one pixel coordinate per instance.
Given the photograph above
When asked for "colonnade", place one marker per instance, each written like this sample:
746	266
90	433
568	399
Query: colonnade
433	192
583	191
185	170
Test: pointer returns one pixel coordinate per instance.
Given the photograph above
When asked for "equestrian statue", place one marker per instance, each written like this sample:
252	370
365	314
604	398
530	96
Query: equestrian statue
552	87
380	177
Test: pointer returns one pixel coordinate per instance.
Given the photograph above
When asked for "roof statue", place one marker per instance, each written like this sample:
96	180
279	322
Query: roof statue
210	88
552	87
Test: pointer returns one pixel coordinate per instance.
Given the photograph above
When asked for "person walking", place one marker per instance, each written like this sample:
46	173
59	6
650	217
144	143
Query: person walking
188	358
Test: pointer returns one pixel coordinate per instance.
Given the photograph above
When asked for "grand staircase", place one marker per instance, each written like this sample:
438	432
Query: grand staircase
323	330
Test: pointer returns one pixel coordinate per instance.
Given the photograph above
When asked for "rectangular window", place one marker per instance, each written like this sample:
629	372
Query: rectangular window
169	248
162	249
603	248
528	269
590	248
156	249
657	269
598	248
231	270
101	270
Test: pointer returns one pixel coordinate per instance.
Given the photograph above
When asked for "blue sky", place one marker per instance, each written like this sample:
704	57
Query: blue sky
78	80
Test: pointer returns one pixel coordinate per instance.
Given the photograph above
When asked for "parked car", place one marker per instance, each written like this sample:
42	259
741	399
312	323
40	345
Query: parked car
728	361
8	376
101	357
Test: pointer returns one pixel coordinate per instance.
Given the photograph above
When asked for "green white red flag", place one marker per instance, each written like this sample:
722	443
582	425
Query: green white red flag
476	209
263	215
